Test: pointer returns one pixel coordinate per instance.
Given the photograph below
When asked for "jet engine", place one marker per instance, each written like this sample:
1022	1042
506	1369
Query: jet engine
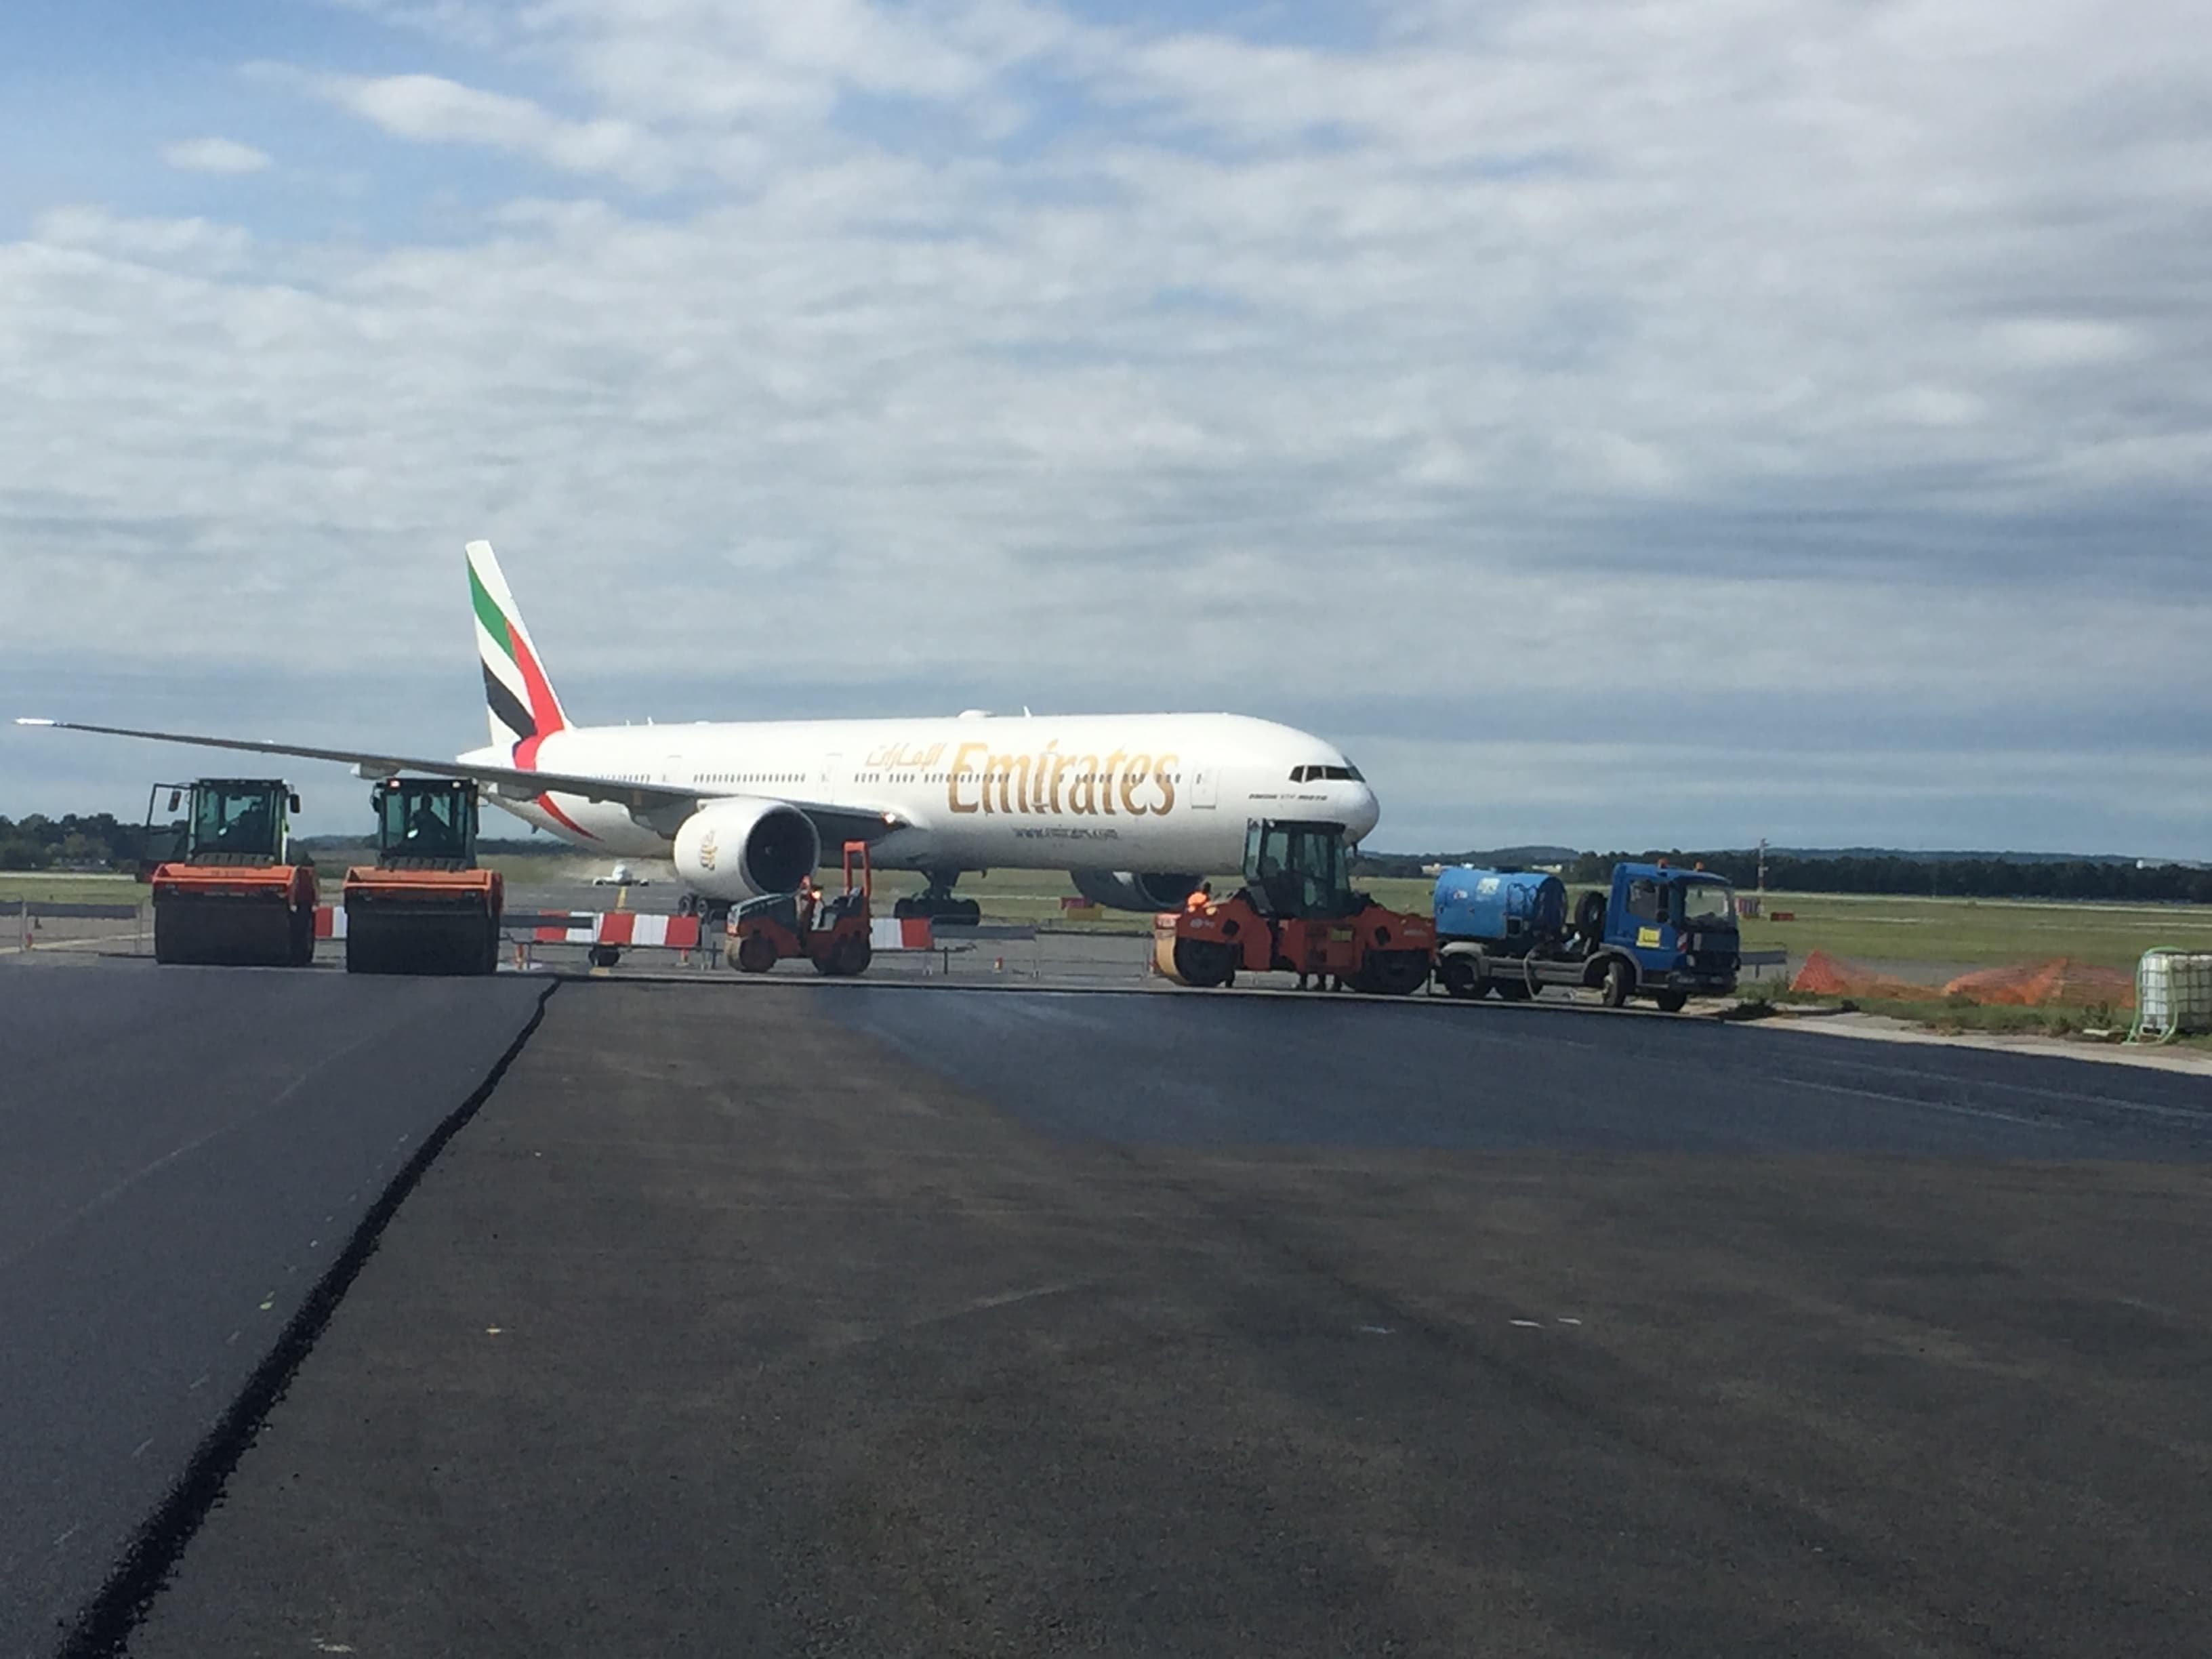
739	849
1125	890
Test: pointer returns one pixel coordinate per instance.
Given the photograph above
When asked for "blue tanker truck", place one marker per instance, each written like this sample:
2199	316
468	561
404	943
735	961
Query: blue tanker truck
1659	932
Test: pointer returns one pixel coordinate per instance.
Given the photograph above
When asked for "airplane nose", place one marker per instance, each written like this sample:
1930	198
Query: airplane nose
1365	811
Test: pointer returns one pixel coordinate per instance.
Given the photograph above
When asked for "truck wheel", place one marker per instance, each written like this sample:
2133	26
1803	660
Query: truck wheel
603	956
755	955
1462	977
1671	1002
849	956
303	938
1619	983
1589	916
1510	989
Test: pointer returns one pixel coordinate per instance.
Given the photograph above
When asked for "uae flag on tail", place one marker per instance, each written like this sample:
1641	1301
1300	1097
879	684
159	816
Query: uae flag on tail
518	698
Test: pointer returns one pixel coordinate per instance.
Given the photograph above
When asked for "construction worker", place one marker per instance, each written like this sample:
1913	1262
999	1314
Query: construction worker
1201	896
809	899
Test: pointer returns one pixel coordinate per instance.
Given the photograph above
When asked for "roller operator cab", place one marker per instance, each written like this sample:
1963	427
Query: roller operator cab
1297	913
227	888
1657	932
424	906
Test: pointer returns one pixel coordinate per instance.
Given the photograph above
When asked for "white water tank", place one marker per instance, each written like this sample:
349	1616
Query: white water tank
2173	995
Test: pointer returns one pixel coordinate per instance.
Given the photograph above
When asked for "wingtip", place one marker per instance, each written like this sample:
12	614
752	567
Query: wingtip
34	719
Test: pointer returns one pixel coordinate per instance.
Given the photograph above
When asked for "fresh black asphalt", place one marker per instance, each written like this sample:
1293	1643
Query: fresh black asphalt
184	1153
1203	1068
779	1321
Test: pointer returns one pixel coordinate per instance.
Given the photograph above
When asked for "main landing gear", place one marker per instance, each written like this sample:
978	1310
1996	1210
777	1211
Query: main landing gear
937	902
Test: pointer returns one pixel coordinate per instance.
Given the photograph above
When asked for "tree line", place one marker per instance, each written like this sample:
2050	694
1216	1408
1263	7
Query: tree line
95	839
2107	879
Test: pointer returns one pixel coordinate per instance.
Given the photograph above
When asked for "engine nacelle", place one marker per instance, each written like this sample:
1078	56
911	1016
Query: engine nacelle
1124	890
740	850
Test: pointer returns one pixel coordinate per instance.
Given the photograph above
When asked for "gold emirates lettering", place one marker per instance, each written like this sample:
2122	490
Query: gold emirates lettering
1050	783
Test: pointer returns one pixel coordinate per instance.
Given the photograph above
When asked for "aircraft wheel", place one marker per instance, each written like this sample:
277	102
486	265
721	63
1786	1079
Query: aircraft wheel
1510	990
603	956
1619	983
755	955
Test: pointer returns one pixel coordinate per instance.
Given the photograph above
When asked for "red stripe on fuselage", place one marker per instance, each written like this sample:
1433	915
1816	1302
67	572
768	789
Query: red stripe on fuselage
559	817
526	760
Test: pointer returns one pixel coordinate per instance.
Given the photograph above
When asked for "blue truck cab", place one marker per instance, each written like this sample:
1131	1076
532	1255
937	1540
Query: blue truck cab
1677	927
1658	932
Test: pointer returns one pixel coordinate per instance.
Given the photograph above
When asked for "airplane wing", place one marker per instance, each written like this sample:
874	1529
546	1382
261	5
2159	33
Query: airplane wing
659	806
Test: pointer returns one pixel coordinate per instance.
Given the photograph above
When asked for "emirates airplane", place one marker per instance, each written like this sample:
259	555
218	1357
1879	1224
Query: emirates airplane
1133	806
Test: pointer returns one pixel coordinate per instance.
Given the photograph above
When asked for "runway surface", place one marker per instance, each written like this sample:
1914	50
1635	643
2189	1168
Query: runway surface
186	1153
1323	1071
803	1321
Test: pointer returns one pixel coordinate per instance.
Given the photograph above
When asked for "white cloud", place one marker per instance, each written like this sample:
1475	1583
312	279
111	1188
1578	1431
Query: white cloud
214	155
431	107
1704	352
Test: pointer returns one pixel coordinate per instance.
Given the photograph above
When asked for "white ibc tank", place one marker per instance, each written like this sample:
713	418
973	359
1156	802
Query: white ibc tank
2173	993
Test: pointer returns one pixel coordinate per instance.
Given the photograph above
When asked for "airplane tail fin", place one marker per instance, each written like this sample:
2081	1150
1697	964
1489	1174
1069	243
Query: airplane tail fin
518	698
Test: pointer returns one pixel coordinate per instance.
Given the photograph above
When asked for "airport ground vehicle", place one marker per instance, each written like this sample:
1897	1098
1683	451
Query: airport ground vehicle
424	906
1657	931
1297	913
227	889
830	930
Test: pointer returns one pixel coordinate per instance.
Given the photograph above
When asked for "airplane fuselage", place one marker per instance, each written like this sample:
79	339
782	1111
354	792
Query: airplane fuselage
1100	792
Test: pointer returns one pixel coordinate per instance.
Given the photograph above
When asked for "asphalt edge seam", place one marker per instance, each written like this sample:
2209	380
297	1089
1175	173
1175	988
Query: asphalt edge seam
103	1627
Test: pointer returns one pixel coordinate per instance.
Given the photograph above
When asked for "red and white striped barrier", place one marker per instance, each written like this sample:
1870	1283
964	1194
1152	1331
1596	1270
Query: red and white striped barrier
633	928
641	930
901	933
630	927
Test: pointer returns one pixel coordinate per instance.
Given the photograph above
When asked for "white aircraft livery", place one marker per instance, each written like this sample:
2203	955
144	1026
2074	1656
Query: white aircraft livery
1133	806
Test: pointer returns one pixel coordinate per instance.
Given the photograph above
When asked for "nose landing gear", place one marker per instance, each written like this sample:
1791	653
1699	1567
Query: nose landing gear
936	902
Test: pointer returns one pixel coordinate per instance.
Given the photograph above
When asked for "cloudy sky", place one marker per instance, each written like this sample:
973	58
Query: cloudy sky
1618	423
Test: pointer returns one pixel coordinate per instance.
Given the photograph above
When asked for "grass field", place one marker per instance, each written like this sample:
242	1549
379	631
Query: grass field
44	888
1975	932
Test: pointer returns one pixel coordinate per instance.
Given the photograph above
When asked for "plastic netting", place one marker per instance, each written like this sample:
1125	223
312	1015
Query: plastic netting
2058	983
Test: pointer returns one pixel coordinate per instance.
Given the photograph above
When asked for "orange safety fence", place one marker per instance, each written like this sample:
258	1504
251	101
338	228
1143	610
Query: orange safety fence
1839	976
2059	982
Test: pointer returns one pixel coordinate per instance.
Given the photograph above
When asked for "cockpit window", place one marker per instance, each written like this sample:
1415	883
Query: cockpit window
1326	774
